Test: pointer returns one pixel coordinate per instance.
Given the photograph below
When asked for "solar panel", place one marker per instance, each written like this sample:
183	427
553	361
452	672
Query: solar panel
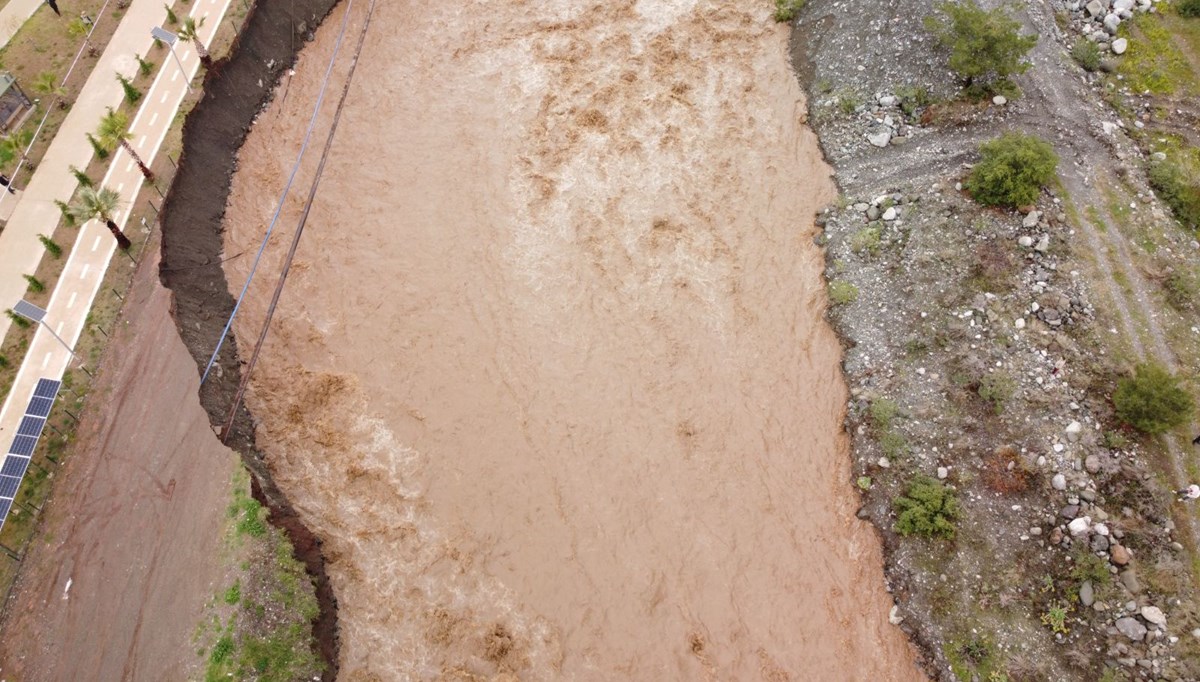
46	388
40	407
31	426
8	486
5	505
23	445
29	310
14	466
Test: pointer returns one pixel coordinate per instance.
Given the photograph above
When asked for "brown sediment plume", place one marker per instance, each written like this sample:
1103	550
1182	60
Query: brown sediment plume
551	378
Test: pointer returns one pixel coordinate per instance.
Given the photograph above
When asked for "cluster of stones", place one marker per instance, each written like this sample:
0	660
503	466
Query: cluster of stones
1099	20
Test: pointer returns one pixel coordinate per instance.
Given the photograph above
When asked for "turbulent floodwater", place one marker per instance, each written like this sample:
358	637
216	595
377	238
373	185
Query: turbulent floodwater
551	376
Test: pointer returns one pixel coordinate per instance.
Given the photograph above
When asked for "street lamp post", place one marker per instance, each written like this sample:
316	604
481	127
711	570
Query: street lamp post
33	313
160	33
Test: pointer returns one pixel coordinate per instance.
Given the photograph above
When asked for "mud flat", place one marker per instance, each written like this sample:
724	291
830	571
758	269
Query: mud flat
551	380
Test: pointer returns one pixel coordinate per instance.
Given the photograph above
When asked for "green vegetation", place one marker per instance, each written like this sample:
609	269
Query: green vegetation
101	152
863	482
248	515
985	47
52	247
13	145
1152	401
842	292
1153	62
114	132
81	177
927	509
171	18
144	67
17	319
1055	617
35	284
66	212
1181	288
1086	54
132	94
1189	8
997	388
913	99
865	242
973	658
785	10
1176	180
234	594
1012	171
1088	566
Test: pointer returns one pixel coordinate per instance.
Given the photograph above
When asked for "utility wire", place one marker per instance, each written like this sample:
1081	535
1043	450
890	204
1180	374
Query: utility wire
287	188
312	193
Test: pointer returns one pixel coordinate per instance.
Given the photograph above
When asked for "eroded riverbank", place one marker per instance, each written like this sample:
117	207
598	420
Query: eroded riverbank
551	379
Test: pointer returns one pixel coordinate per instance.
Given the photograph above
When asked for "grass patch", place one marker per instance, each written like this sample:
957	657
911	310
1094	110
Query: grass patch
1153	62
927	509
842	292
1176	180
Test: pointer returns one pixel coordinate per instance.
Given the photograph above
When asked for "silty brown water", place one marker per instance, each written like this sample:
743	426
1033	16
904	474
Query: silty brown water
551	377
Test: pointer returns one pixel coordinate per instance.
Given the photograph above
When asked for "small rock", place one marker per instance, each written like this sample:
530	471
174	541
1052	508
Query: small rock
1059	482
1056	535
1130	581
1087	594
1031	219
1111	22
942	472
873	213
1119	555
1153	614
1099	543
1159	156
1043	244
1025	241
1092	464
1080	525
1119	46
999	100
1095	9
890	214
880	139
1100	529
1073	430
884	463
862	206
1070	511
1019	323
894	616
1123	5
887	101
1131	628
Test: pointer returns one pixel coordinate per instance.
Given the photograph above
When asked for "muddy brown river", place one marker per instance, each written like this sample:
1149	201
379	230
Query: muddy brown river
551	377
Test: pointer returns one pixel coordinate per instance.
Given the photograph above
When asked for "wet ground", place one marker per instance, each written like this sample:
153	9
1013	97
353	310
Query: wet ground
132	536
551	378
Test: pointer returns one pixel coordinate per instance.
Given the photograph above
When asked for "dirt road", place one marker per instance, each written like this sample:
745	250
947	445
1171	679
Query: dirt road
551	378
119	585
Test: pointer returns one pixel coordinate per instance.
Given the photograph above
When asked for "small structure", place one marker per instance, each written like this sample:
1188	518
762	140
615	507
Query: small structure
15	107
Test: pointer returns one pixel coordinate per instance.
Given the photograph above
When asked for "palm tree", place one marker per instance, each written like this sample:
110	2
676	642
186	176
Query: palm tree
100	204
114	132
189	30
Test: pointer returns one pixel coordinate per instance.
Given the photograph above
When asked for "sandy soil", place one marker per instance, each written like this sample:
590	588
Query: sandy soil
118	587
551	377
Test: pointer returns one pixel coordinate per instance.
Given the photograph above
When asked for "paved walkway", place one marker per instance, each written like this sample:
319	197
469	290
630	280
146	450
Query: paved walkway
84	271
35	212
15	14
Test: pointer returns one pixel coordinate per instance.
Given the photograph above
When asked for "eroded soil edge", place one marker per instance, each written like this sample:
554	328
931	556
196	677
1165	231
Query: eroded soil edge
235	90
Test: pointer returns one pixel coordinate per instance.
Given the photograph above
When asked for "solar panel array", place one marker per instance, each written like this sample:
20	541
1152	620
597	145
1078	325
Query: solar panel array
23	444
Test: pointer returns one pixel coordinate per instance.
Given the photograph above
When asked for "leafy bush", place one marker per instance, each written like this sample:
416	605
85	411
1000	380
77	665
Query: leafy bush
1152	401
51	246
985	47
883	411
1012	171
1086	54
1189	8
1178	184
35	284
1088	566
927	509
997	389
785	10
865	242
841	292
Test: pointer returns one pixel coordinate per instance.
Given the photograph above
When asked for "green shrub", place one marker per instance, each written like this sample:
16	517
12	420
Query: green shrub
883	411
1189	8
132	94
785	10
171	18
35	284
1181	288
1012	171
234	594
1152	401
17	319
865	242
144	67
913	99
1178	184
3	362
1088	566
52	246
927	509
81	177
997	388
67	216
100	151
842	292
985	47
1086	54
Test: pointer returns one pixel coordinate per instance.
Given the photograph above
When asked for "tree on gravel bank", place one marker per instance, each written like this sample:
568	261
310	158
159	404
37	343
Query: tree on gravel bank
100	204
114	132
985	47
1152	401
190	30
1012	171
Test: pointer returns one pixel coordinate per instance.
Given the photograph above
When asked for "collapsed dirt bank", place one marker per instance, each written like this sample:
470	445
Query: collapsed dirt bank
235	90
551	378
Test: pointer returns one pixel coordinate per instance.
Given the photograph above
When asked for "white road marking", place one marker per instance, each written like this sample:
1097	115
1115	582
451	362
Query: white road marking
121	185
58	329
166	94
154	118
45	361
175	76
85	269
142	142
96	244
184	56
71	301
128	168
